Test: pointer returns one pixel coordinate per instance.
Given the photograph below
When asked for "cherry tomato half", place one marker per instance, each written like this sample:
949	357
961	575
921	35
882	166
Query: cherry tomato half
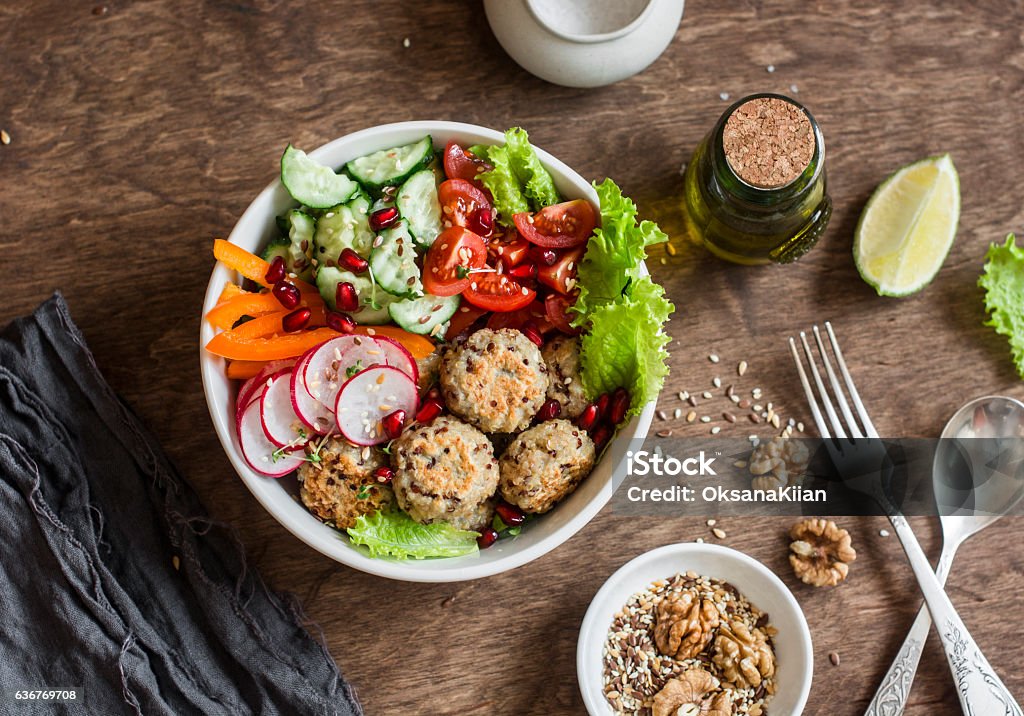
464	317
460	164
449	259
498	292
561	276
556	310
510	253
460	200
559	226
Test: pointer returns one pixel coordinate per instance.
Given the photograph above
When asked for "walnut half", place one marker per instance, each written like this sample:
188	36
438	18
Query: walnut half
684	624
690	694
821	552
778	463
744	655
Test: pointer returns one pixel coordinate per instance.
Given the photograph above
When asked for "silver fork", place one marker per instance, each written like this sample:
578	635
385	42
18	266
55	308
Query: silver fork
860	458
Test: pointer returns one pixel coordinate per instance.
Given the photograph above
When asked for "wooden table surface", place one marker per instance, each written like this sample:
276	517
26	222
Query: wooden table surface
140	130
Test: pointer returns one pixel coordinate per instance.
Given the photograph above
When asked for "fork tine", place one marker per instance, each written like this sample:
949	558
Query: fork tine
869	428
811	400
837	425
837	391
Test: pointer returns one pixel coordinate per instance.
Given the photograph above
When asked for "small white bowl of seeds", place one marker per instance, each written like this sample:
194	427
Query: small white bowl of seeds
694	629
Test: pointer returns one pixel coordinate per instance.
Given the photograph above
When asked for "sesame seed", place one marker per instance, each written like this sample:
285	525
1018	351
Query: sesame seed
683	395
707	395
715	430
723	96
718	532
678	413
741	368
705	418
691	416
699	540
717	382
713	358
406	42
883	533
711	523
770	68
5	138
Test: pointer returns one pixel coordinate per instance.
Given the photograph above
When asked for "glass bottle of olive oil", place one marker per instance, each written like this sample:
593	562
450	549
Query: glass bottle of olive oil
754	190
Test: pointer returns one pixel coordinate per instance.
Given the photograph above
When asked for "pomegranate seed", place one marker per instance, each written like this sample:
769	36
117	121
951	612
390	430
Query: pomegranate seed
352	261
544	256
619	406
384	474
600	436
345	297
510	514
488	536
340	322
394	423
430	410
549	411
529	329
588	417
286	294
383	218
275	272
602	405
296	320
481	222
527	270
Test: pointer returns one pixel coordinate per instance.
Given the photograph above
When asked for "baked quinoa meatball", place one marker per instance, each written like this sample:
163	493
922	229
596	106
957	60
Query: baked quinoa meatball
341	487
444	471
545	464
562	356
428	368
496	380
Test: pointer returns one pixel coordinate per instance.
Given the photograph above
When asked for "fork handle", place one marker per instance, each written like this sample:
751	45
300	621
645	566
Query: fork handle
893	692
981	692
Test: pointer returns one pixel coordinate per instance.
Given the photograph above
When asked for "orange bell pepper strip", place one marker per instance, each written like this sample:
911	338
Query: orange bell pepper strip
226	314
419	346
229	291
269	324
245	369
290	345
249	264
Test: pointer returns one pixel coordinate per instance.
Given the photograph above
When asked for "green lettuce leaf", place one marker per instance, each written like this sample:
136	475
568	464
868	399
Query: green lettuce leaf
1003	281
625	345
392	533
614	252
518	181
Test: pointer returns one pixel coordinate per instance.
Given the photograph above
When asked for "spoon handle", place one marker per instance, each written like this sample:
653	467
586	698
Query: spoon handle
893	692
981	692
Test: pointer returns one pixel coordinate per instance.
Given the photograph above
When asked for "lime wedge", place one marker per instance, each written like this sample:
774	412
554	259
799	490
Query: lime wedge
908	227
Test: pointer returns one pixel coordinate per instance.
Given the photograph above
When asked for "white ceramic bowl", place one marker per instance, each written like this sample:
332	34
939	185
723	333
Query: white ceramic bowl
278	497
794	656
584	43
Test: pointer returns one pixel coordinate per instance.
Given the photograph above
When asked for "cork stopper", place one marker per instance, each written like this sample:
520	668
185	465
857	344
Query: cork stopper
768	142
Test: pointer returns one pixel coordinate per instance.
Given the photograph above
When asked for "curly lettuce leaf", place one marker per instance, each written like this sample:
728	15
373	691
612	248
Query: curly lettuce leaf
625	345
518	180
392	533
1003	281
614	252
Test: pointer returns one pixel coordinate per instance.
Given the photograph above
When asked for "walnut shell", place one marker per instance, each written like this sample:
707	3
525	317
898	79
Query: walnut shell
744	655
684	624
821	552
690	694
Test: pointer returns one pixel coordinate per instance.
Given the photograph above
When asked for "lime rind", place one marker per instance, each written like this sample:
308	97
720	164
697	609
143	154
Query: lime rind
909	279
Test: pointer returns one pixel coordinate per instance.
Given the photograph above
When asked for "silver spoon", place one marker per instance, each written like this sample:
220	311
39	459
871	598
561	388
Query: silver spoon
991	487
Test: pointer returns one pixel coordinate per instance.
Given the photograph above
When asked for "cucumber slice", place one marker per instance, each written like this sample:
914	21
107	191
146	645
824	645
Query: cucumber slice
417	203
300	243
345	226
390	167
277	247
311	183
426	315
393	262
373	301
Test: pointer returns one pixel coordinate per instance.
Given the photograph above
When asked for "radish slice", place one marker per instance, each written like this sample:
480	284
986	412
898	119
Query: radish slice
252	388
325	372
396	355
258	451
314	414
279	420
370	395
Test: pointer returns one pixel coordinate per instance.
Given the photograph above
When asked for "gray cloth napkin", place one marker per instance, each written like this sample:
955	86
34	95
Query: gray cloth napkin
92	516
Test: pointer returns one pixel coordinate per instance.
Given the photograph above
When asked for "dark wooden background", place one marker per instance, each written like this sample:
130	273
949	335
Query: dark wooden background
141	130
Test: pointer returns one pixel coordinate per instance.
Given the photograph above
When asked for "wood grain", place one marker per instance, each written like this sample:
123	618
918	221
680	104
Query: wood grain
141	132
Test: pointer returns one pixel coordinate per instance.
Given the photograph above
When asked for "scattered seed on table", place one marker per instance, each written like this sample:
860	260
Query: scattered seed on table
741	368
691	416
713	358
683	395
175	562
775	421
758	407
715	430
5	138
677	413
834	658
664	261
883	533
770	68
664	433
661	415
717	382
712	522
735	398
743	404
752	417
770	405
800	427
699	540
729	417
406	42
740	464
671	249
692	401
705	418
718	532
707	395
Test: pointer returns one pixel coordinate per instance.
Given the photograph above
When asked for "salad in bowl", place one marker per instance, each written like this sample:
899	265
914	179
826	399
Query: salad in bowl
417	355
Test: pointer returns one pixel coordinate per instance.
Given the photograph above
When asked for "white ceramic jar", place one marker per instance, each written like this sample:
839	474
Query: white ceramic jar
584	43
